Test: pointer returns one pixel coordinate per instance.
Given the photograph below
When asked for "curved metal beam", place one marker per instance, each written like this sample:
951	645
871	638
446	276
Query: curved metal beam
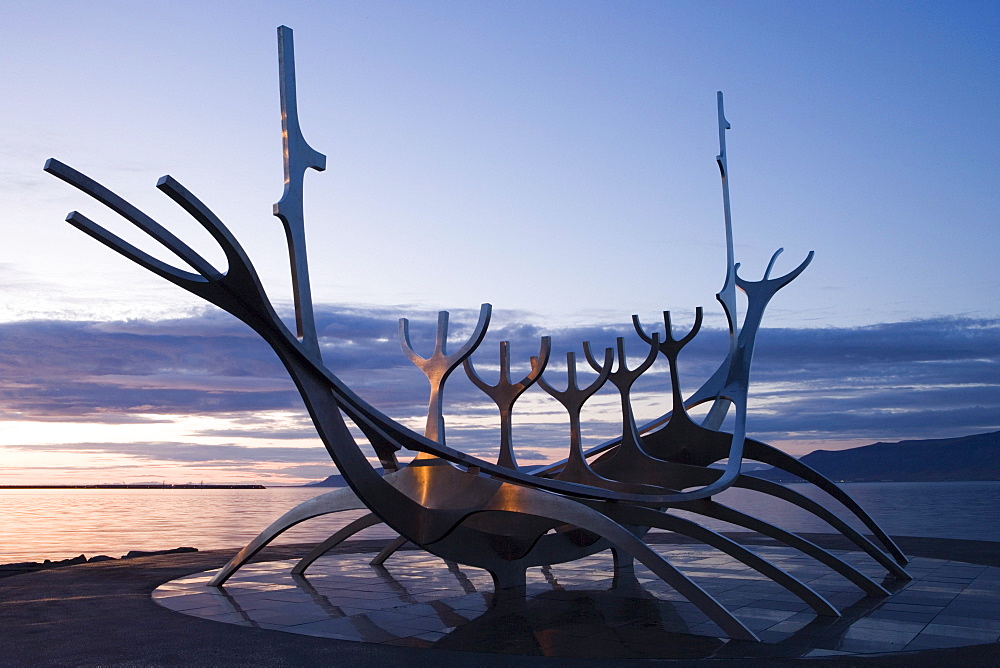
389	549
727	514
324	504
780	491
647	517
767	454
340	536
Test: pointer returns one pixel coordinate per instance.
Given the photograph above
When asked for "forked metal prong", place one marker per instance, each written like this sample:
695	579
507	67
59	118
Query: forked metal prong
132	214
439	365
505	393
769	285
141	258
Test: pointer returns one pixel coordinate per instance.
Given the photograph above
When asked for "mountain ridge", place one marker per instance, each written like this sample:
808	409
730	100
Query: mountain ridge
963	458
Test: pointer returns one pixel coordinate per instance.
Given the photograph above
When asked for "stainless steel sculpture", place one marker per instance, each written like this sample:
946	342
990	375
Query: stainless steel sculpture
501	516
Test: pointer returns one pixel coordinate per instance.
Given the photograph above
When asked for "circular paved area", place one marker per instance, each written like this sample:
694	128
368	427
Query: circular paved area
579	610
104	614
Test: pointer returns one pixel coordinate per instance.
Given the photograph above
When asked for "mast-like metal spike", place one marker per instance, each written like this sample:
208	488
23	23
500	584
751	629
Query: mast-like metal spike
298	157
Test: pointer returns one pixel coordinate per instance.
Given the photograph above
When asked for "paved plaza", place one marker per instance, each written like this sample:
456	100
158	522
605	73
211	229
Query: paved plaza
421	611
579	610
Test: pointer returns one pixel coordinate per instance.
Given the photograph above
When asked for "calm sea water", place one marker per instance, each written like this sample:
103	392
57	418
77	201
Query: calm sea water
56	524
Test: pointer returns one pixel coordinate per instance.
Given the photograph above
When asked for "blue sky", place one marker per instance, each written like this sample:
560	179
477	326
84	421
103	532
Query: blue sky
555	159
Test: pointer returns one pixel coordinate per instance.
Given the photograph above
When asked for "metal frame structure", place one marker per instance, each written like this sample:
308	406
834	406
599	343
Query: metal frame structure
501	516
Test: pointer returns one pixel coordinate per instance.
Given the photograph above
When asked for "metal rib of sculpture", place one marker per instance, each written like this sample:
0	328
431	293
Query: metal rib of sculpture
500	516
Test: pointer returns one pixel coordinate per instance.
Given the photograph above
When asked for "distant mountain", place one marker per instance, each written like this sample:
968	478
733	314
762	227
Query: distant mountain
331	481
935	460
748	466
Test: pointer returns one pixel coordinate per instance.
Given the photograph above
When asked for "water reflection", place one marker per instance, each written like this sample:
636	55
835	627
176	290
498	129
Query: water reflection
56	524
60	523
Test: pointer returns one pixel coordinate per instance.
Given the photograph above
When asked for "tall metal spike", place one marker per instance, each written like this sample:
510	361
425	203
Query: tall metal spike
298	157
727	295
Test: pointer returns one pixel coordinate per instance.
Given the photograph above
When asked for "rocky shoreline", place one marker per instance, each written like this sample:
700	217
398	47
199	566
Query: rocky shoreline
6	570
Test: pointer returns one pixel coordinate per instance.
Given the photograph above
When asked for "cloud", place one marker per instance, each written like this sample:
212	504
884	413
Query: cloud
189	453
275	434
107	372
919	379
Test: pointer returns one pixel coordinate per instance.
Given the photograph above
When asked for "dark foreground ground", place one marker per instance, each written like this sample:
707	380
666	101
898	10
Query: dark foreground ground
102	614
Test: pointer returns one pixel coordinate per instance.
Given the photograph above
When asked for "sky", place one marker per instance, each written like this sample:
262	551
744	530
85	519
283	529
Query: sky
556	159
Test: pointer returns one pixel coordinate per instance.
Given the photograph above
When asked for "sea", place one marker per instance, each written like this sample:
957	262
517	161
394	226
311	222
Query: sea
38	524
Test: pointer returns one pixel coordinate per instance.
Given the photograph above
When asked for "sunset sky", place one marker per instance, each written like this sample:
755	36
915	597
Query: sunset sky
556	159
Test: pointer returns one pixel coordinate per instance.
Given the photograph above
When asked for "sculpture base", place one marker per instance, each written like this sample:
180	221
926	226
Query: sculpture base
581	610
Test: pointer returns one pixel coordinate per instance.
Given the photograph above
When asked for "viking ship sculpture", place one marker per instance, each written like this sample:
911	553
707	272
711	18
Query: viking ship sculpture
502	516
